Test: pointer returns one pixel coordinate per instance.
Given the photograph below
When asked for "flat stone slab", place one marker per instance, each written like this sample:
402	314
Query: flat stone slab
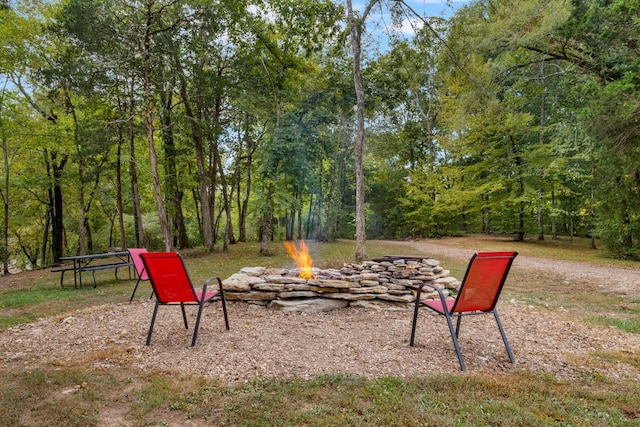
308	305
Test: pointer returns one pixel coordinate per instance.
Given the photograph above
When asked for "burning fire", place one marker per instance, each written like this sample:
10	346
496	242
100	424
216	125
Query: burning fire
301	257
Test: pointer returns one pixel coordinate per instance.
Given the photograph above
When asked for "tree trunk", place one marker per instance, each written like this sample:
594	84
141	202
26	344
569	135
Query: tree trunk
82	221
133	173
5	190
554	222
54	172
172	186
153	158
541	140
203	187
355	29
119	202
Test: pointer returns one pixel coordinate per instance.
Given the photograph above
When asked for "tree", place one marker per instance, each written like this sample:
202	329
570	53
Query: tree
297	29
355	26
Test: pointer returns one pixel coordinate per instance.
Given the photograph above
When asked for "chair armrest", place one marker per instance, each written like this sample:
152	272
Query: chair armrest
216	292
434	287
210	279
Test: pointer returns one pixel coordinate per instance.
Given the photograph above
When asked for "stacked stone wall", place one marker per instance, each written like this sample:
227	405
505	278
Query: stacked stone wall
388	280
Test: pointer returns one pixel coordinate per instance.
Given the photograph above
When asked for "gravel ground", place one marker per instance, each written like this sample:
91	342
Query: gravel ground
368	342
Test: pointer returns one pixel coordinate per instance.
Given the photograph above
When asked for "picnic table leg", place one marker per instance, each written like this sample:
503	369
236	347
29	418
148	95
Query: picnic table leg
75	275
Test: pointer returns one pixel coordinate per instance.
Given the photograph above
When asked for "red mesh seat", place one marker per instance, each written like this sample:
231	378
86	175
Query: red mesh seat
172	286
141	272
478	294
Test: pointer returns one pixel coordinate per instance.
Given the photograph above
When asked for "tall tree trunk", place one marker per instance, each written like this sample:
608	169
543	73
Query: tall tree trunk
243	199
45	237
55	168
203	181
54	172
355	29
119	202
541	140
82	220
153	158
5	188
554	221
228	233
520	232
227	198
243	196
133	172
172	184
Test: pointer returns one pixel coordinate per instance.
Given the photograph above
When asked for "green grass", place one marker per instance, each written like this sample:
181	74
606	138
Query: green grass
84	396
518	399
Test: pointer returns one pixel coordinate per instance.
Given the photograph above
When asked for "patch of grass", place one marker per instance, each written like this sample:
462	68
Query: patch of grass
513	400
624	324
47	397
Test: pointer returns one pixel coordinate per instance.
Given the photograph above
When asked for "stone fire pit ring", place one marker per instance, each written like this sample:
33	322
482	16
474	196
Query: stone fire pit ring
391	279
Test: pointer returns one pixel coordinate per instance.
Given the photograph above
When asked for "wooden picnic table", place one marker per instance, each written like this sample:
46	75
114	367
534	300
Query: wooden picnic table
93	263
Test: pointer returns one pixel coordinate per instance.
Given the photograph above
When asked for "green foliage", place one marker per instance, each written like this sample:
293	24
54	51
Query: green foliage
518	116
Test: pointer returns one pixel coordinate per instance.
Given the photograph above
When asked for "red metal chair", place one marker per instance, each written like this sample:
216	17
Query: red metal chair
172	286
478	294
141	272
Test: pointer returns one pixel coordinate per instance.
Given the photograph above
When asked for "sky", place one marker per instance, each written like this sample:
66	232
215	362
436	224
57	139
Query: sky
379	20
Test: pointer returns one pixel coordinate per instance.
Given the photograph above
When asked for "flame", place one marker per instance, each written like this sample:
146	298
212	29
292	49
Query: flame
301	257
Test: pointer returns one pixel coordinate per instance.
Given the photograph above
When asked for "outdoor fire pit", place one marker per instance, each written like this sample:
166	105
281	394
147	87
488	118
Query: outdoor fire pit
388	280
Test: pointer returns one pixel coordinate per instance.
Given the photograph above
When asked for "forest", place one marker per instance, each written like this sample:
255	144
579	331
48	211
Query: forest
173	124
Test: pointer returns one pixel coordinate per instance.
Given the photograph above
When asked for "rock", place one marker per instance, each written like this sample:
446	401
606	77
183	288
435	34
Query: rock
448	282
350	296
299	287
378	305
253	271
297	294
250	296
369	289
338	284
399	298
308	305
275	287
276	278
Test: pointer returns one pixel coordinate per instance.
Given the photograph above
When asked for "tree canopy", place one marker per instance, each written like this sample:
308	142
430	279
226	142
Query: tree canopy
179	123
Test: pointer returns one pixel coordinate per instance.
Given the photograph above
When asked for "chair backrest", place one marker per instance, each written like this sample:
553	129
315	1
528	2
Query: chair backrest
483	281
169	277
137	262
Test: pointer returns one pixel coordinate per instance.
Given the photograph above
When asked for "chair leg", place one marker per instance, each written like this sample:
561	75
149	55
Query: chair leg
454	337
504	337
195	328
413	324
184	316
224	310
153	321
134	291
458	322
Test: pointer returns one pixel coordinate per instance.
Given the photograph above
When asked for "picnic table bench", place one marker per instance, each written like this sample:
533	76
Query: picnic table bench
92	263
